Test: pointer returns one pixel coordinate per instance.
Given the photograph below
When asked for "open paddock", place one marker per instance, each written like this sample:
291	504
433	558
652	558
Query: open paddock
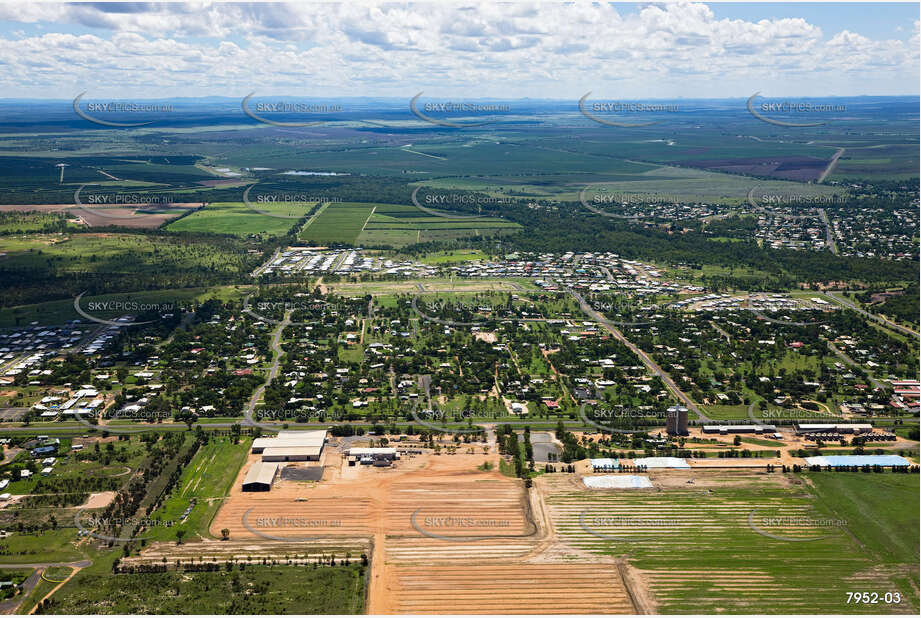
467	588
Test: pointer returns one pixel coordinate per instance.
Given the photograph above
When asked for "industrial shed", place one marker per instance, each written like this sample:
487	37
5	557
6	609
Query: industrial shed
727	429
292	453
291	446
376	453
838	461
380	457
260	476
857	428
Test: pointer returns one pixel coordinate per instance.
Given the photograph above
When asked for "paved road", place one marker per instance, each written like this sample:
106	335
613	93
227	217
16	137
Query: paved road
829	234
650	364
850	361
273	370
259	270
879	318
831	165
10	605
721	331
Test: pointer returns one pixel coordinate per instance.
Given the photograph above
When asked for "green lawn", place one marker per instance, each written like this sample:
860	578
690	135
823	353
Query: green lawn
46	546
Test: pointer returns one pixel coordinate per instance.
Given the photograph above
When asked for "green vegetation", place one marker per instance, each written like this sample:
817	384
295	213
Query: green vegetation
256	590
206	479
339	222
237	219
694	544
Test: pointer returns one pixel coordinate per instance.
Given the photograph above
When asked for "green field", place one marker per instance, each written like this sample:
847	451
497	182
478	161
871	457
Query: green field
399	225
701	554
206	480
394	225
44	546
253	590
60	311
238	219
340	222
684	184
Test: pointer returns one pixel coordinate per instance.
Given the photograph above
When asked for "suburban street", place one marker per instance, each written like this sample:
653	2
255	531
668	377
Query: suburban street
650	364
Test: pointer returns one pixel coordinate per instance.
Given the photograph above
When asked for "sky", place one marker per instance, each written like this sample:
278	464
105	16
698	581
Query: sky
463	50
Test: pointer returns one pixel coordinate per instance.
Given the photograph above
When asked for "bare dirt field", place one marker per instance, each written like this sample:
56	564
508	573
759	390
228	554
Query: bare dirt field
427	520
98	500
512	589
122	217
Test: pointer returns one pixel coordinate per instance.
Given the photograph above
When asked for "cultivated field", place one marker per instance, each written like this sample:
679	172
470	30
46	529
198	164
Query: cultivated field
340	222
699	548
398	225
471	588
238	219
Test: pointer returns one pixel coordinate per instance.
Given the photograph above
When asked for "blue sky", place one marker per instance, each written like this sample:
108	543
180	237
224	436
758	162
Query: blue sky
538	50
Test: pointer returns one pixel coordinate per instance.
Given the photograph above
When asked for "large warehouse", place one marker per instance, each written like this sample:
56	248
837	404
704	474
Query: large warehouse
260	476
291	446
857	428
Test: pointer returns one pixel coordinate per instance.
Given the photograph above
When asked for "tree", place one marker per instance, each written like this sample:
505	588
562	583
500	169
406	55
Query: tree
179	534
225	534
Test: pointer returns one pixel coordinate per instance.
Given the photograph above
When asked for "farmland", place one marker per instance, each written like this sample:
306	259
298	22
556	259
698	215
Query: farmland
240	220
695	546
338	223
402	225
345	345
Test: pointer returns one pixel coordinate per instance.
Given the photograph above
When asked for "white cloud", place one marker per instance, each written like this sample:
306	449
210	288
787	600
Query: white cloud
536	50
